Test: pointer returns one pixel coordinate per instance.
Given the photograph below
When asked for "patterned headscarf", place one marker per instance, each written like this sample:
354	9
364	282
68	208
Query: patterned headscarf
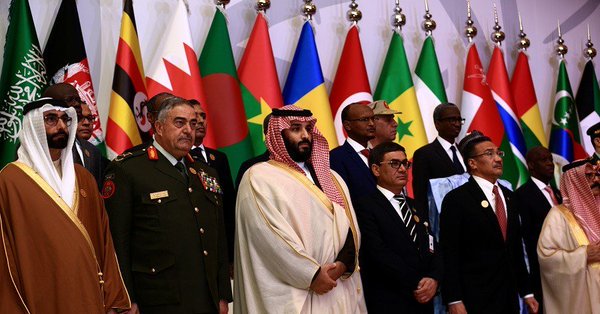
319	157
578	197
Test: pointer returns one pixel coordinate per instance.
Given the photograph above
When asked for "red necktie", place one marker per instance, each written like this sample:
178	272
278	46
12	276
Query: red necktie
552	196
500	211
365	152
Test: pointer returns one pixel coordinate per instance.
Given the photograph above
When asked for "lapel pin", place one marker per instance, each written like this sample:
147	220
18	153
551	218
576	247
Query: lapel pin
193	171
485	204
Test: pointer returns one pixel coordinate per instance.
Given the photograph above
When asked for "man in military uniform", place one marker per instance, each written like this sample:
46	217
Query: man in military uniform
166	218
594	133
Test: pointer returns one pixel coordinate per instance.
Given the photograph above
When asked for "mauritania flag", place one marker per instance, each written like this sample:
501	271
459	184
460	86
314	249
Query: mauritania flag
305	86
259	82
429	86
515	167
565	143
526	104
478	106
223	95
351	83
395	86
127	123
23	77
588	103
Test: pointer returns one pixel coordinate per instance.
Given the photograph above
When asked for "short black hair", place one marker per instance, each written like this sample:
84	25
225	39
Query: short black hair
346	110
437	112
152	104
468	143
378	152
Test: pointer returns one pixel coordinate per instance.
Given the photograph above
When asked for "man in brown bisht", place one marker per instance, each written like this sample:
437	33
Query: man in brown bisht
57	254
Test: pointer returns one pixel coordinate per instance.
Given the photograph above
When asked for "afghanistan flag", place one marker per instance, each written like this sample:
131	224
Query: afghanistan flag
127	123
223	95
260	86
588	103
66	60
23	77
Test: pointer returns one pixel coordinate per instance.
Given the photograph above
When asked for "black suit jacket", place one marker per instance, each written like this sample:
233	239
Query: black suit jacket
533	208
358	177
480	268
391	263
95	163
429	162
249	163
168	233
218	161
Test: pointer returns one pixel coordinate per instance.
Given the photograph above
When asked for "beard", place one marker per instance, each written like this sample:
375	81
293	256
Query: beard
296	153
58	140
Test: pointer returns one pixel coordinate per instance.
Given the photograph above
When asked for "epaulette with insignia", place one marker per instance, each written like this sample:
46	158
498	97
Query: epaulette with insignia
152	153
127	155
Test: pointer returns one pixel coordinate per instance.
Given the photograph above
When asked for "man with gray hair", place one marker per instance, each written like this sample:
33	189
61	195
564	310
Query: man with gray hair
57	254
166	215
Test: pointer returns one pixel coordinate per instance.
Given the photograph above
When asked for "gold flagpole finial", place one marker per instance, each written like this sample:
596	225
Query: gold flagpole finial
561	48
497	35
470	30
398	18
589	51
523	40
309	9
429	24
354	15
222	3
262	5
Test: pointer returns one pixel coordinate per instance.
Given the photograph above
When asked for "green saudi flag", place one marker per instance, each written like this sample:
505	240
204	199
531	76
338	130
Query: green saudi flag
224	105
23	77
429	85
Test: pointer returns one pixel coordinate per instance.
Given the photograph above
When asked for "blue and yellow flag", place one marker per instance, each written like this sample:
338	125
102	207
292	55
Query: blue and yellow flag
305	86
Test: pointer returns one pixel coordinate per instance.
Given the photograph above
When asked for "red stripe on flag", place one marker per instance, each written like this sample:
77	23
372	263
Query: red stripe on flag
522	85
126	60
119	141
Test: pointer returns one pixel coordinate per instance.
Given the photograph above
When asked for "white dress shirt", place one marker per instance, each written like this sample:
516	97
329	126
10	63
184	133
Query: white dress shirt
542	186
446	146
358	148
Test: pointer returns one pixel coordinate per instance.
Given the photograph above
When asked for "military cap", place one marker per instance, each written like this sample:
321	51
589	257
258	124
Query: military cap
594	130
380	107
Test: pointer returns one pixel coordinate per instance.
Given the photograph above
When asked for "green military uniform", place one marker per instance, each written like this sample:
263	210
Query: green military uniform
168	232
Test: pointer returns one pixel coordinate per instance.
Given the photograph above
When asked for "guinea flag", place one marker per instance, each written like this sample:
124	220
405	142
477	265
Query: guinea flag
223	95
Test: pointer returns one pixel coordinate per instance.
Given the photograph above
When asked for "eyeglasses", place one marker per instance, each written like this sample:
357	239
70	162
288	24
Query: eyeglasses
91	118
365	119
395	163
52	120
453	120
490	154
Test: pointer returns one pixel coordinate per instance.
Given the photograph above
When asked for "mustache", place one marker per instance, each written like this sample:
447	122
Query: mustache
60	133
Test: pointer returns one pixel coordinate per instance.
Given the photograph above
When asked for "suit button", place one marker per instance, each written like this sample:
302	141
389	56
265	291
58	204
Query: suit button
196	209
202	232
190	189
205	253
153	270
159	201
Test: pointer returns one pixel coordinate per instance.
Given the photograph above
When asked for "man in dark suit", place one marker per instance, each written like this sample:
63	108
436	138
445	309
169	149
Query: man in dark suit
480	237
254	160
84	152
166	218
535	198
350	160
400	266
218	161
440	158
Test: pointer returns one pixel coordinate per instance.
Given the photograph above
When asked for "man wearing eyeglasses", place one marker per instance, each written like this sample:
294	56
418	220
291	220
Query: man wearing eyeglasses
166	216
440	158
480	237
84	152
350	160
57	252
400	265
569	244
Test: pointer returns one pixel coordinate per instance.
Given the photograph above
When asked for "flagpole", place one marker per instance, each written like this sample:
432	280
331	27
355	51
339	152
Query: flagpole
524	42
308	9
354	14
589	51
470	30
561	48
398	18
429	24
497	35
262	6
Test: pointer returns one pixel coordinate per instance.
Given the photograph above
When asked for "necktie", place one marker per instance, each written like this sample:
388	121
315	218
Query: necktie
407	217
198	152
500	211
365	152
457	165
552	196
181	168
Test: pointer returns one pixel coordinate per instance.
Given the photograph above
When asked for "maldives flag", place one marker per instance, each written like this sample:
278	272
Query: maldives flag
351	83
177	71
66	60
478	106
260	87
223	95
515	167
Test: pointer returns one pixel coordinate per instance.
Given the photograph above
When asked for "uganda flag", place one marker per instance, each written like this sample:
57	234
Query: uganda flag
127	123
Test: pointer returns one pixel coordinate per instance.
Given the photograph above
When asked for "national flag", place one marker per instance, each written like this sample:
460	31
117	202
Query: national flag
429	86
127	123
526	104
351	83
515	166
305	86
23	77
565	142
176	70
395	86
259	82
588	103
223	95
66	61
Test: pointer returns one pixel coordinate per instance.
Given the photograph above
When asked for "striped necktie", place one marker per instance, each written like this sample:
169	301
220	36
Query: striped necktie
407	217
